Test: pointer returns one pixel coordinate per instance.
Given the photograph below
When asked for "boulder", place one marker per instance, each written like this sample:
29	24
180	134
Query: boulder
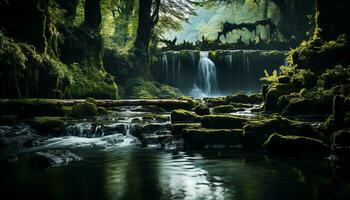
292	144
184	116
212	102
256	98
199	138
202	109
47	125
308	107
16	136
223	122
176	129
225	109
238	98
274	92
84	110
257	132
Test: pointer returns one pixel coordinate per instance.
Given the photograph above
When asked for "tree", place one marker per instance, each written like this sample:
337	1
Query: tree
92	14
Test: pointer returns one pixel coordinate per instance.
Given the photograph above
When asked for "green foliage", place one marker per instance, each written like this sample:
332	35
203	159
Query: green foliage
273	78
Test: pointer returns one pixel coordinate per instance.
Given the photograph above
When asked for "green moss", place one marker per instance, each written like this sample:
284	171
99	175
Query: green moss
202	109
47	125
295	145
162	118
183	116
223	122
225	109
148	116
84	110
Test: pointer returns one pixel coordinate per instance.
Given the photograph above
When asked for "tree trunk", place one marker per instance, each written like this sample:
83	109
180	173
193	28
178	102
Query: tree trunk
92	14
145	25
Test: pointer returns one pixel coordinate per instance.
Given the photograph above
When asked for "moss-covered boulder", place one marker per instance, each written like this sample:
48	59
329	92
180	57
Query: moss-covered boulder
199	138
317	107
84	110
274	92
176	129
184	116
291	144
257	132
223	122
202	109
238	98
226	109
47	125
256	98
212	102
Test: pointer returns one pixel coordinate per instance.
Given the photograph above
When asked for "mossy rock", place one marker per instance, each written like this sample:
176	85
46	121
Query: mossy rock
256	132
199	138
176	129
84	110
256	98
184	116
47	125
275	91
238	98
102	111
241	105
223	122
225	109
212	102
307	107
148	117
292	144
162	118
202	109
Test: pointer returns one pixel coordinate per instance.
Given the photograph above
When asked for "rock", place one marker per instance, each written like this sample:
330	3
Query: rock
199	138
102	111
340	141
257	132
241	105
162	118
222	122
52	158
308	107
202	109
295	145
184	116
176	129
139	130
158	138
238	98
284	79
84	110
256	98
16	136
212	102
148	117
47	125
225	109
275	91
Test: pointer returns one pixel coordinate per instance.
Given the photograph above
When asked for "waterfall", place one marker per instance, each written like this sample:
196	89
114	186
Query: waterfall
206	82
165	68
171	68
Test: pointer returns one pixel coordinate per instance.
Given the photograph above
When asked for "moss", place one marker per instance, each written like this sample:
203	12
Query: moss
162	118
199	138
212	102
102	111
47	125
274	92
177	129
225	109
295	145
148	117
84	110
222	122
202	109
183	116
238	98
257	132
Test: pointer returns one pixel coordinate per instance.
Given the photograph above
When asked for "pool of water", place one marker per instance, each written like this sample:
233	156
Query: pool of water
132	172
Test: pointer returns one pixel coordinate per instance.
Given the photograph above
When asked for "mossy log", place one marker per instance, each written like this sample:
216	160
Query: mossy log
106	102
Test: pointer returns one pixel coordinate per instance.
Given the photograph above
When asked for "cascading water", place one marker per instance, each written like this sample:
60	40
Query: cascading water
206	82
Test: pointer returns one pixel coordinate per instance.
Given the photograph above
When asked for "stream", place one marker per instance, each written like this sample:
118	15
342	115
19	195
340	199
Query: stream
112	164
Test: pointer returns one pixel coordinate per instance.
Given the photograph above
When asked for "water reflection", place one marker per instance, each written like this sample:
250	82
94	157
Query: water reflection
134	173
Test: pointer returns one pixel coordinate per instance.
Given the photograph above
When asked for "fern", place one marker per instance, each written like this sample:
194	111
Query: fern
270	78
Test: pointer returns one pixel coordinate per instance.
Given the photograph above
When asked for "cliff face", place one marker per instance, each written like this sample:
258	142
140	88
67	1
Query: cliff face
43	53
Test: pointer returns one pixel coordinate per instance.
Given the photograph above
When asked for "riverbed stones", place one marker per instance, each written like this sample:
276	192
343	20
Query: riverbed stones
52	158
47	125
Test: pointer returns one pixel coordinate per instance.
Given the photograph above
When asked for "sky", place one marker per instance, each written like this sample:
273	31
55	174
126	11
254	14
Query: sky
209	21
